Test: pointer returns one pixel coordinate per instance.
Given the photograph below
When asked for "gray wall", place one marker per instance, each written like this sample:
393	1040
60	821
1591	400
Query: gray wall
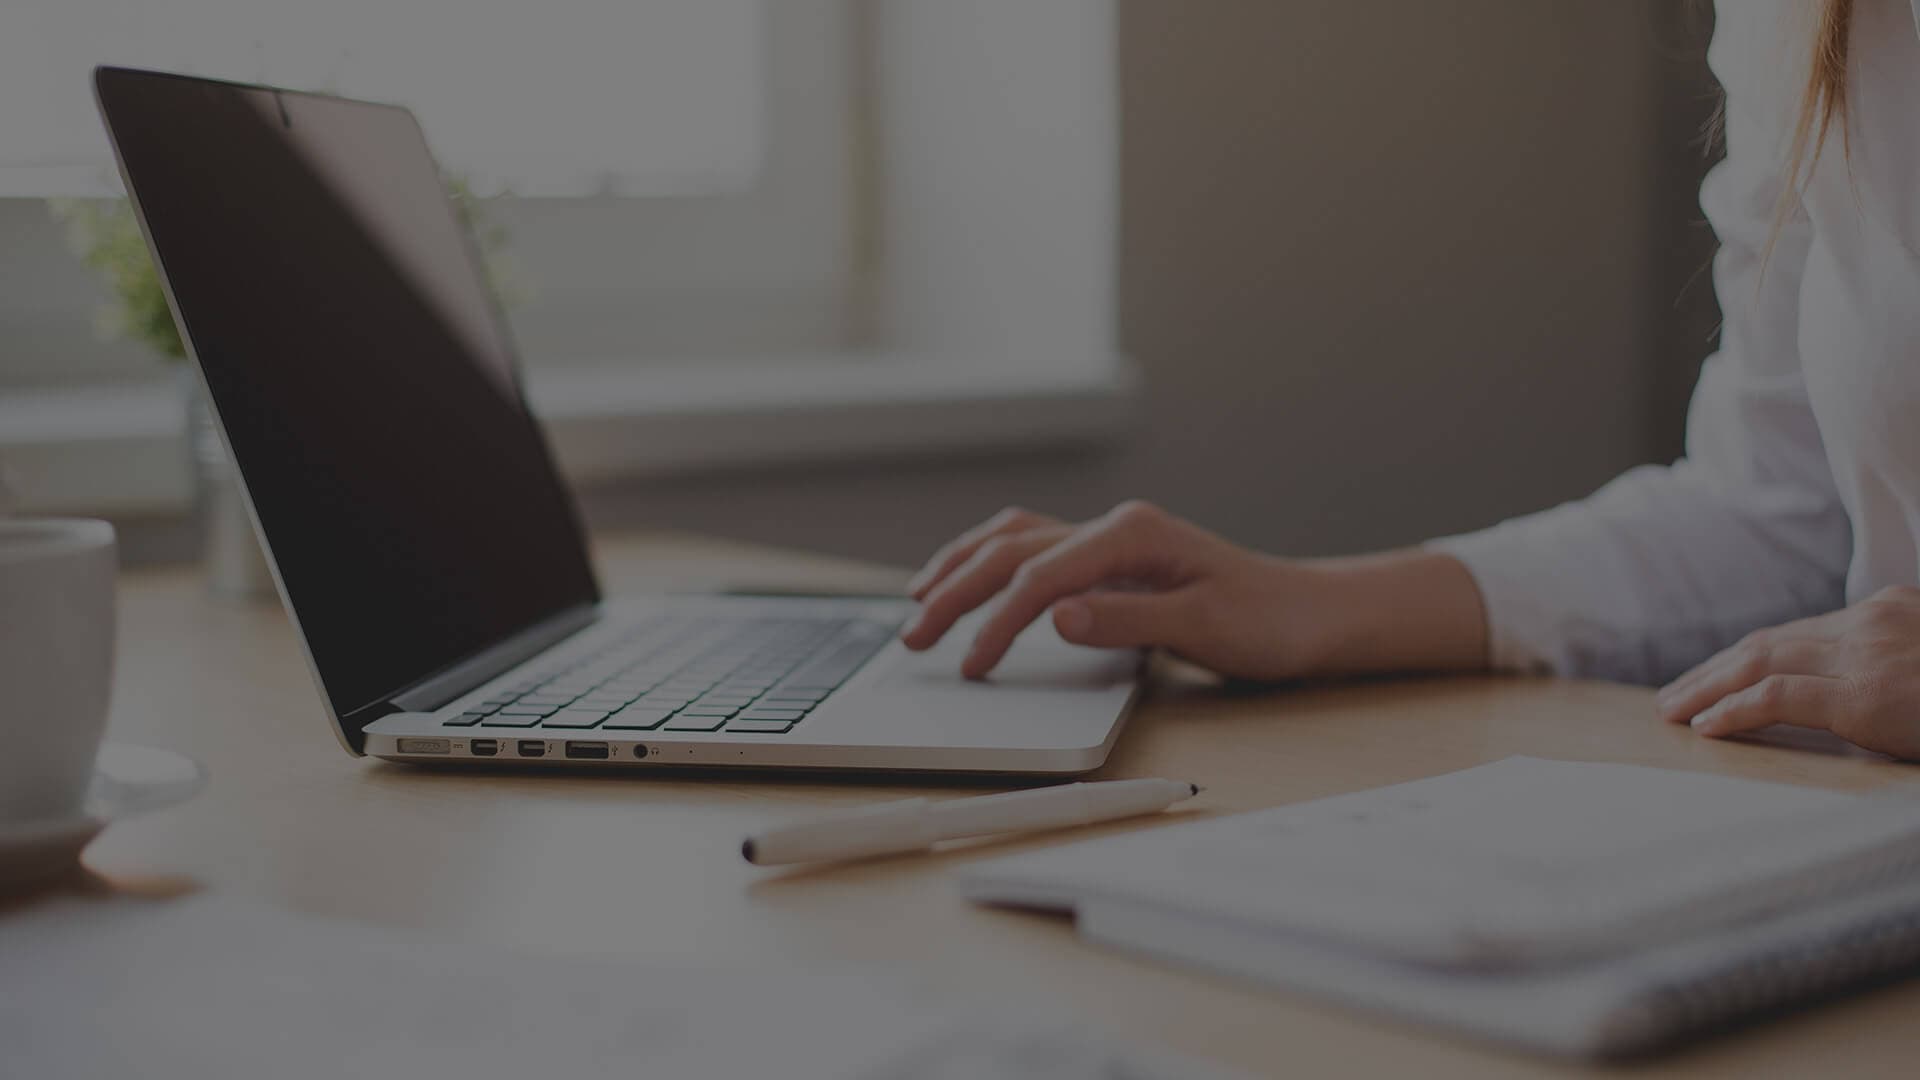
1389	268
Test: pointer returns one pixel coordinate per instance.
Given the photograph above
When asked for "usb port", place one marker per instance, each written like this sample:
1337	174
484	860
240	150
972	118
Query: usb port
425	746
484	747
589	751
532	748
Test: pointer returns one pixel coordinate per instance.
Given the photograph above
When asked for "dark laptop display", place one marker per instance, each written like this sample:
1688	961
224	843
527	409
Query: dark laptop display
362	373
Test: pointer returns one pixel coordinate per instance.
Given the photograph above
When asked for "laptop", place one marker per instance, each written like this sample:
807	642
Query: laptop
421	538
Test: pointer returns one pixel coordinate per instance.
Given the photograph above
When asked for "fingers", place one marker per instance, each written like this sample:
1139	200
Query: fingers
1854	672
1807	701
993	564
1119	546
1740	667
1124	620
955	554
1790	649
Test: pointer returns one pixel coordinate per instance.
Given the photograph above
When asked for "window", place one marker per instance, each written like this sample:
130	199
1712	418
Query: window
739	272
573	106
563	97
867	225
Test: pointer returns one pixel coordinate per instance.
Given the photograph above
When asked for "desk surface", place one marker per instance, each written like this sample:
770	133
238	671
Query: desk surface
648	866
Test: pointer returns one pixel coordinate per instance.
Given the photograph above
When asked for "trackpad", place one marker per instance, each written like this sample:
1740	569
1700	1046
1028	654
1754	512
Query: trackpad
1039	660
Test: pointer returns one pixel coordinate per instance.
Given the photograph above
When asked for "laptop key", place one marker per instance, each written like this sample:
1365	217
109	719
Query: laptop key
724	699
698	709
510	720
575	718
761	727
528	710
465	719
788	715
635	718
695	723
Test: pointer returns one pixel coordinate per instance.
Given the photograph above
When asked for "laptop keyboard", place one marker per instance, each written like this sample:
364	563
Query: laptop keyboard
760	676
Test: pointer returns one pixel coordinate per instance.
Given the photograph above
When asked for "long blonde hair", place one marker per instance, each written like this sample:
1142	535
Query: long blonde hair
1825	98
1822	104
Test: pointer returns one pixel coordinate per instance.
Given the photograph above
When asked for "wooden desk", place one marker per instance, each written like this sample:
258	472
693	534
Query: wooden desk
649	865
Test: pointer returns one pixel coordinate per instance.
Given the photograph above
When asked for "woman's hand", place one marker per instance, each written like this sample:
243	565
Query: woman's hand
1133	577
1854	672
1138	576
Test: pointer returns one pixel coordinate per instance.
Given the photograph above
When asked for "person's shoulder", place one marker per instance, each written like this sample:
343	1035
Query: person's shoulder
1765	21
1760	52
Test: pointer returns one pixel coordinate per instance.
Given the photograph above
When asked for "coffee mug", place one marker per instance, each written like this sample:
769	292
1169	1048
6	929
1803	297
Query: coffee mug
56	662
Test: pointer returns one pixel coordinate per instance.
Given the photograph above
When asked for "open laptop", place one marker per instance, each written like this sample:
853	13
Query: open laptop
431	558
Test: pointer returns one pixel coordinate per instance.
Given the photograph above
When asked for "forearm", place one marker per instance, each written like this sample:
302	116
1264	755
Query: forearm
1412	610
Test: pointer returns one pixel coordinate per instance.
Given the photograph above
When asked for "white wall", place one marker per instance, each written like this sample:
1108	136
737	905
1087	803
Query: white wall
996	142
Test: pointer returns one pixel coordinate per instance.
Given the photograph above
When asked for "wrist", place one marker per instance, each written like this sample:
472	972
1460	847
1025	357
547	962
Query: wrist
1412	610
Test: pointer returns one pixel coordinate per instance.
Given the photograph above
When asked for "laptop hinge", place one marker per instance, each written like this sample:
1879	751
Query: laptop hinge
431	693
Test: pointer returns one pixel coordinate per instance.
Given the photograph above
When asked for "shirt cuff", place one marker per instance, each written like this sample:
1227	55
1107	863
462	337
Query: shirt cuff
1521	632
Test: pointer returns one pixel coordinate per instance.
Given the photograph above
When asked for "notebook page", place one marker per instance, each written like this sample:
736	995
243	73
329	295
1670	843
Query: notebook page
1434	870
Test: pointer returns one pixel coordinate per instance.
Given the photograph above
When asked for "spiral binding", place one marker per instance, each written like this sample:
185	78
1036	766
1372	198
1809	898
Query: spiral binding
1864	947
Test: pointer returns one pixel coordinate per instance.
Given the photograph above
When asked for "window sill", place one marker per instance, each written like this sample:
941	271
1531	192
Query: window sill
122	451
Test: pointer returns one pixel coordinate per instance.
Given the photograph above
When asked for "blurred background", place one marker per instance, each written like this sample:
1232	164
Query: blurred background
852	274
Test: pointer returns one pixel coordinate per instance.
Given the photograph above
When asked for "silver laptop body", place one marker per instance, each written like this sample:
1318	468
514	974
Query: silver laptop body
420	536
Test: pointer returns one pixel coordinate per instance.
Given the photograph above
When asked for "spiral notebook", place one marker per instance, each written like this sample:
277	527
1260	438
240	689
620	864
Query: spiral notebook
1584	909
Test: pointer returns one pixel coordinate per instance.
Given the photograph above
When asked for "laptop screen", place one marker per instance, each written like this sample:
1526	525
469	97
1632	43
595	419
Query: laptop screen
361	370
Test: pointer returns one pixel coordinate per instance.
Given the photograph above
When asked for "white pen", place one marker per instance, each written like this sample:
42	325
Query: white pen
916	824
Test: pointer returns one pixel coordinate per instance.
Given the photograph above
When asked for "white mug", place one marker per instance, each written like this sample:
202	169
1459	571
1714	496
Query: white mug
56	662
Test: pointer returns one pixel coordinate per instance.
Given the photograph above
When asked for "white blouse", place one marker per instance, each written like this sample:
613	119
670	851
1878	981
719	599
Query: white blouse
1800	488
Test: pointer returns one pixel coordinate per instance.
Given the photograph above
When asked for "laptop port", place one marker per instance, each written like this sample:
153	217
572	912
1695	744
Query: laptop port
532	748
640	750
484	747
588	751
424	746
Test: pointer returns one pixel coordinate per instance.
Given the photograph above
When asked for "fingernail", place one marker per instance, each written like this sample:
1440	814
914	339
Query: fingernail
1072	618
1702	721
913	625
